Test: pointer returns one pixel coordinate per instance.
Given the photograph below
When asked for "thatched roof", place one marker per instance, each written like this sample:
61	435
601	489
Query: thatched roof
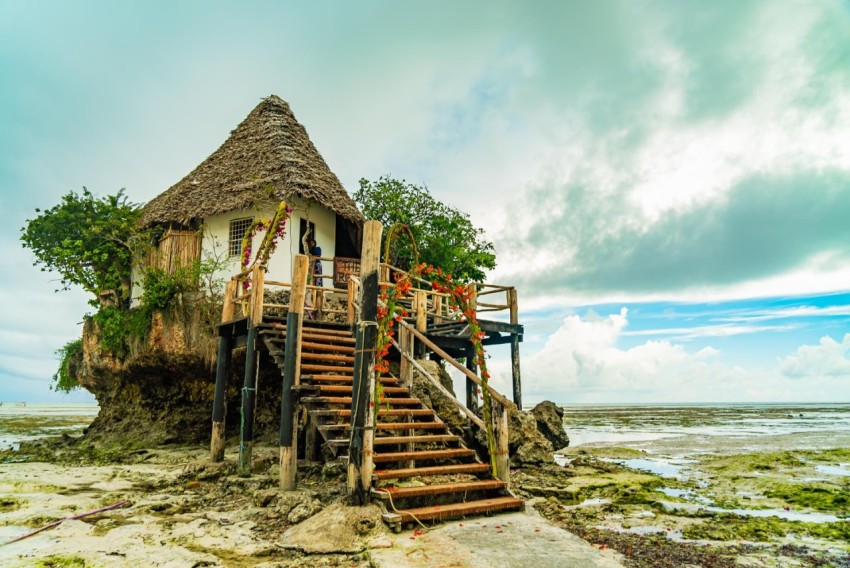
268	157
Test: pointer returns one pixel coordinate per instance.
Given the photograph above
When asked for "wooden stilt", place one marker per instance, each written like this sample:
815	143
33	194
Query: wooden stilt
249	397
362	411
288	439
500	432
222	373
515	374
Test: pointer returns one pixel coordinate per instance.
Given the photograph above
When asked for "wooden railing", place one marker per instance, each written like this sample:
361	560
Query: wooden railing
500	405
245	296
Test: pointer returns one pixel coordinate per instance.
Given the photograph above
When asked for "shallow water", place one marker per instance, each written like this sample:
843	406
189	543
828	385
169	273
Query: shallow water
649	423
19	423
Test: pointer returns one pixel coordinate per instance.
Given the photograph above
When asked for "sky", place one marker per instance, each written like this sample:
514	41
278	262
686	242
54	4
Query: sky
666	183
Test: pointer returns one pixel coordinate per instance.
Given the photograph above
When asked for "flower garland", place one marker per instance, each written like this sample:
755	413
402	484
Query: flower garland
391	312
269	243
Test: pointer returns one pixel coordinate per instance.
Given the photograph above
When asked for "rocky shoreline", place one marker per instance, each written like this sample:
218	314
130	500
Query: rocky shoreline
185	511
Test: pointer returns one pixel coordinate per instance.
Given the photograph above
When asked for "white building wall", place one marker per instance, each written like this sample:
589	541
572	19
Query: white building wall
217	230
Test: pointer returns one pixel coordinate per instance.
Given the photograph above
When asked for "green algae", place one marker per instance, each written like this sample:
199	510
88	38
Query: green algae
728	527
63	562
824	497
10	504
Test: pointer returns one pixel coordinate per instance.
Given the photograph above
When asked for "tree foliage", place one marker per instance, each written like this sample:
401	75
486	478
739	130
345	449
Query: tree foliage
445	236
87	240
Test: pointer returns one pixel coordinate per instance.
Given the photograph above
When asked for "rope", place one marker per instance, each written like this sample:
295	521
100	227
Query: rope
390	496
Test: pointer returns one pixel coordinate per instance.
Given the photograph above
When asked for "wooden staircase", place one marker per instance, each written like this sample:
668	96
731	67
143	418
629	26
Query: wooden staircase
423	472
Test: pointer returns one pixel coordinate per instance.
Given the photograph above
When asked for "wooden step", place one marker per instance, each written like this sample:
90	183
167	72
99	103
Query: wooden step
326	331
314	368
348	389
421	439
326	357
347	400
382	411
423	455
327	347
433	470
280	337
454	510
344	379
391	426
438	489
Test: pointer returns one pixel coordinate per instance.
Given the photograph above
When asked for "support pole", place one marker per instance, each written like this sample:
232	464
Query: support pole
249	397
362	411
502	435
288	439
222	372
471	387
515	375
421	299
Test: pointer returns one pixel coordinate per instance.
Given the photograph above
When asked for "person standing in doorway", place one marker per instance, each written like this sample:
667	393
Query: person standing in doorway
315	251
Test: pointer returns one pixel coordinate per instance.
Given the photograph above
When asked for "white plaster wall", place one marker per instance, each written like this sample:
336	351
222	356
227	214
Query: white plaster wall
217	228
217	231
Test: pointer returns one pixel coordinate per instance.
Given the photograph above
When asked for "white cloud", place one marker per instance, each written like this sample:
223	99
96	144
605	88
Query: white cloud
582	363
827	359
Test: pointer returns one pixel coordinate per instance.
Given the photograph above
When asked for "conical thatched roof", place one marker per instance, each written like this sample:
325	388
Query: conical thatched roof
269	150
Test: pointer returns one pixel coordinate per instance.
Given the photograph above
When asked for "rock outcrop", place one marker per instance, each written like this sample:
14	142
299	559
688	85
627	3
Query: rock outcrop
550	422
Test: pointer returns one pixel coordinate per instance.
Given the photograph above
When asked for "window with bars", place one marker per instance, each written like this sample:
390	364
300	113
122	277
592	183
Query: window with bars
237	232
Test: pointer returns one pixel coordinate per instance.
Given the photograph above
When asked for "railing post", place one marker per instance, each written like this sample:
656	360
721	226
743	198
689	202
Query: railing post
501	435
362	411
438	308
288	438
230	291
473	297
471	387
421	300
405	367
515	374
258	285
319	304
350	304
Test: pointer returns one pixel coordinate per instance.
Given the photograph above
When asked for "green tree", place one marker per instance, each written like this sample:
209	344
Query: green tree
445	236
88	240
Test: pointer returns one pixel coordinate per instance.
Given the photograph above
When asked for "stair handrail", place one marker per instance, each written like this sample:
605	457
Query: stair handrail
506	402
422	371
499	411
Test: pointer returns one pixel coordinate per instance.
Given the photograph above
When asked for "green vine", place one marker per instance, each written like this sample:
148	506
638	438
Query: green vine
64	379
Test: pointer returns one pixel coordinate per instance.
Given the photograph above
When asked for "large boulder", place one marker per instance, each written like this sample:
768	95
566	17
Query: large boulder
550	422
526	444
431	395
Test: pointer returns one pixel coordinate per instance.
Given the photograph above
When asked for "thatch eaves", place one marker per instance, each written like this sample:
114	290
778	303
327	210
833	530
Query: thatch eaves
268	157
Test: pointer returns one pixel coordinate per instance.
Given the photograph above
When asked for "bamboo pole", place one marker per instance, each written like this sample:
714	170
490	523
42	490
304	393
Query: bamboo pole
362	411
515	371
288	439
